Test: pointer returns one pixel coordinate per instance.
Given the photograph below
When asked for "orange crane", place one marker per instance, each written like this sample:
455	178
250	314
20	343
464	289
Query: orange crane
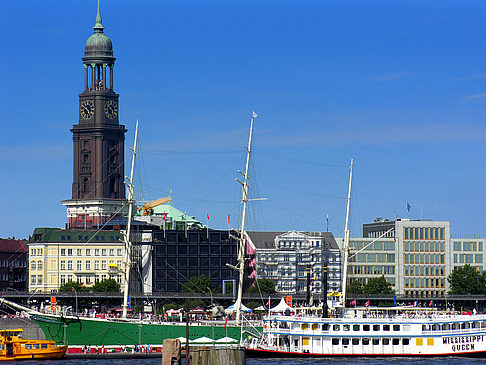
148	207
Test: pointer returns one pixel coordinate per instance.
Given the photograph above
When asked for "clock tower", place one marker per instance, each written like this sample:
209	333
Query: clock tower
98	190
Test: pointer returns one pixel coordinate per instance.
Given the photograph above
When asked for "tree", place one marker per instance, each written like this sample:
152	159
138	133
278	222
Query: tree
378	286
355	288
466	280
106	286
263	286
72	286
197	284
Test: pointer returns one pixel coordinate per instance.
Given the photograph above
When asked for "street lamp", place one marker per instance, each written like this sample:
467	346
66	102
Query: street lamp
76	296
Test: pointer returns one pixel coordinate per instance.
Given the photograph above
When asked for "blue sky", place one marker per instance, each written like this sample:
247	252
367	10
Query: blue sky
398	86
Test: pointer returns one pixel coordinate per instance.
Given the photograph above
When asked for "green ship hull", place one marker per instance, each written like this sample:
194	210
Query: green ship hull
80	331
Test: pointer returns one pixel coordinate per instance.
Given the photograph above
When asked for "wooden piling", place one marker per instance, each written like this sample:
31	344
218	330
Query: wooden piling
171	354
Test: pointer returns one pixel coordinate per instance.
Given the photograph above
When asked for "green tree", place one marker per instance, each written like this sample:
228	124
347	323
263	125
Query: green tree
197	284
466	280
106	286
263	286
378	286
355	288
71	286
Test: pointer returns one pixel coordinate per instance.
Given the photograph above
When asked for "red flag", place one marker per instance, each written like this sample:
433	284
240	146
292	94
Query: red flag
367	304
226	322
268	303
207	215
228	218
164	216
353	302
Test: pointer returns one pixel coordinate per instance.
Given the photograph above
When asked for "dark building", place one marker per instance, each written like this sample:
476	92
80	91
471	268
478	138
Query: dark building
98	190
378	227
13	265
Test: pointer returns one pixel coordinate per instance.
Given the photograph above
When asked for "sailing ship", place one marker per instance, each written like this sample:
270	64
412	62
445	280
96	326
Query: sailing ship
395	331
78	331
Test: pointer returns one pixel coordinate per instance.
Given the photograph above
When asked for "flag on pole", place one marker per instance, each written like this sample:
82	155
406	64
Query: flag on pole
367	304
164	216
353	302
408	207
228	218
226	322
255	114
207	214
415	304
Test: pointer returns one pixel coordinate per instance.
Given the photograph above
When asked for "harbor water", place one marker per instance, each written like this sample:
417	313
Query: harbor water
341	361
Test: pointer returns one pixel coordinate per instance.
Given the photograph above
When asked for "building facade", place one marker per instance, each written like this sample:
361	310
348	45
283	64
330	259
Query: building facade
58	256
468	251
285	256
13	265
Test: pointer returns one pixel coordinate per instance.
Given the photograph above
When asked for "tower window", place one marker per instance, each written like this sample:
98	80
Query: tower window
86	158
85	185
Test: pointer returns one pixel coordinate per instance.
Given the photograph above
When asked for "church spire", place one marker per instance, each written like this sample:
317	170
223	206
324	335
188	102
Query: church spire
98	27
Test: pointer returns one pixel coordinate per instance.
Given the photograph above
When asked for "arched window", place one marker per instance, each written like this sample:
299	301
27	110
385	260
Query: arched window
85	185
39	265
32	265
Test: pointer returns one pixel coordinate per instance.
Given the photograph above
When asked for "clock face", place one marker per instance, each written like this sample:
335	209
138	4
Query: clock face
87	109
111	109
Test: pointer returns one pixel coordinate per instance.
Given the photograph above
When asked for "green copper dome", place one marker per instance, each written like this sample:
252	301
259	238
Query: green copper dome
98	44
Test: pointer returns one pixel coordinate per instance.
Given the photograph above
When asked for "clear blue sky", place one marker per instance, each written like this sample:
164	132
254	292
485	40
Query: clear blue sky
400	86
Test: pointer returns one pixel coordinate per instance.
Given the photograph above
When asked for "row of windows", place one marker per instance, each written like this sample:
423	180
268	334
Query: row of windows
373	257
87	265
423	233
196	250
373	341
88	251
468	258
34	264
36	279
453	326
424	246
16	263
363	281
377	246
90	279
96	238
468	246
372	270
425	270
36	252
424	283
421	258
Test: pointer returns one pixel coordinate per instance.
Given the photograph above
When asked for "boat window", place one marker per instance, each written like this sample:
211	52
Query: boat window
406	327
366	327
446	327
396	327
335	341
375	341
304	326
455	326
425	327
435	327
325	327
483	324
44	346
2	347
346	327
386	327
465	325
355	327
475	325
406	341
336	327
366	341
345	341
27	346
385	341
314	326
35	346
355	341
376	327
396	341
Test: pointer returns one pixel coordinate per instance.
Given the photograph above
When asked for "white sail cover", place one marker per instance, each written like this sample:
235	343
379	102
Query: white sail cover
282	307
232	308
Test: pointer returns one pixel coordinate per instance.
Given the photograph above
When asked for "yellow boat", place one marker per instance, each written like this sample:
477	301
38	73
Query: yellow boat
14	347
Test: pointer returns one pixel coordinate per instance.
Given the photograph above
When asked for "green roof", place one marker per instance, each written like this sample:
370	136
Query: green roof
58	235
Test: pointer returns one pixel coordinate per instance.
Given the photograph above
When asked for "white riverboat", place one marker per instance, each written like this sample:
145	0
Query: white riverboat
393	331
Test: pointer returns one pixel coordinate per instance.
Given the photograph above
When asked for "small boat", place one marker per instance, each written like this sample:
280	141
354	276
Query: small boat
14	347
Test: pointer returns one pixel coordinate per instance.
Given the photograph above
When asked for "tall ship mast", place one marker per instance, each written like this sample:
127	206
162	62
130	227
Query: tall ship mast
346	235
242	240
128	245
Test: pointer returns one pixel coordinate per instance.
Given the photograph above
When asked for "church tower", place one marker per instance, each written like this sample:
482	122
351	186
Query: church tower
98	190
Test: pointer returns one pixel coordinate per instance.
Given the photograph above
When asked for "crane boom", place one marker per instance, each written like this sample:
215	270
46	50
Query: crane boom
147	207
